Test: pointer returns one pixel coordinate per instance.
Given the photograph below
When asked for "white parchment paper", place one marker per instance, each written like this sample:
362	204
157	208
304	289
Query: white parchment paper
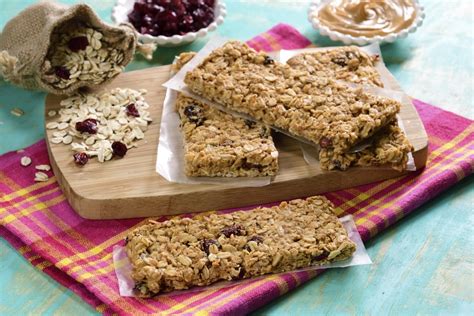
123	267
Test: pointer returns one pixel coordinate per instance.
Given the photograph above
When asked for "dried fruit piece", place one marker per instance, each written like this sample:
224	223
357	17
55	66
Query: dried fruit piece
236	230
321	256
268	61
87	126
195	114
341	61
81	158
25	161
250	123
78	43
325	142
119	149
62	72
132	110
208	242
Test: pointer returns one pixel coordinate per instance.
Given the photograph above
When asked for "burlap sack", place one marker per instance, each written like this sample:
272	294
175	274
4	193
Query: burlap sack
25	41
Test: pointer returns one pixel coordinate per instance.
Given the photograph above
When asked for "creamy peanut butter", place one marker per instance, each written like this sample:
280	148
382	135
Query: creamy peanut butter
367	17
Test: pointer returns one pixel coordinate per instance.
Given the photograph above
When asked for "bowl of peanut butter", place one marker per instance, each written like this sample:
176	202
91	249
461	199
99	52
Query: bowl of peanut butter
366	21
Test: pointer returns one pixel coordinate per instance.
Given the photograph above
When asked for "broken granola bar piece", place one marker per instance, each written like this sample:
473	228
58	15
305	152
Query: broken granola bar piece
390	147
306	106
217	144
185	252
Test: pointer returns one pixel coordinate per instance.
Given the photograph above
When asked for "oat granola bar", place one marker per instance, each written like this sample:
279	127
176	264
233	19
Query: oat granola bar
185	252
319	110
348	63
220	145
390	147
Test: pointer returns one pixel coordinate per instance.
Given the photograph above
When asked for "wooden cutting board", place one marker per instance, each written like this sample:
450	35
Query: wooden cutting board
130	187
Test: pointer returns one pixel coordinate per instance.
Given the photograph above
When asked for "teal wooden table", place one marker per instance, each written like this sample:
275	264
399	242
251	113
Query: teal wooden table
422	265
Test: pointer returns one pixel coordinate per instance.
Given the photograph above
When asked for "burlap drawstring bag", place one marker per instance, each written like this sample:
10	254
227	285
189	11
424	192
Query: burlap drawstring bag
29	38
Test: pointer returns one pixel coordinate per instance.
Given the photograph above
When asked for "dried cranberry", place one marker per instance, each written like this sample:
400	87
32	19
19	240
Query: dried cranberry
62	72
257	239
206	243
81	158
195	114
132	110
268	60
325	142
78	43
341	61
322	256
87	126
250	123
236	230
119	149
249	166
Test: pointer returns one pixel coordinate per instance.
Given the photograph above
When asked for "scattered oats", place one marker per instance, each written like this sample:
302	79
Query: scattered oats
67	139
108	108
25	161
17	112
52	125
60	133
41	176
62	126
43	167
94	60
57	140
51	113
19	151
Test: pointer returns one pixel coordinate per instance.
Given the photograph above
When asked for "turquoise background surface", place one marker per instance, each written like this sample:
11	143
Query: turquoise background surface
422	265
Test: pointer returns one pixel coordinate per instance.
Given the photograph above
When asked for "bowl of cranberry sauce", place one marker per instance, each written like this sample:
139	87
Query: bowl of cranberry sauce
170	22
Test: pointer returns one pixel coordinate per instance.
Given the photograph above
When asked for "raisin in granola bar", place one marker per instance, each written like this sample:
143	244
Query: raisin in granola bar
185	252
220	145
348	63
390	147
319	110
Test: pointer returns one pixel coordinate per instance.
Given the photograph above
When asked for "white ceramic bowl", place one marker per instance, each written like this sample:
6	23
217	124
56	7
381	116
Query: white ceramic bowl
123	7
361	40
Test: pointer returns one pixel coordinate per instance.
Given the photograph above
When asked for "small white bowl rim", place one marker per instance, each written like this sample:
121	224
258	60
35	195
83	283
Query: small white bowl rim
220	8
362	40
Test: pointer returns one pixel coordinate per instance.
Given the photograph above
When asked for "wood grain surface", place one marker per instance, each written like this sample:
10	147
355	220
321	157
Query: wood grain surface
130	187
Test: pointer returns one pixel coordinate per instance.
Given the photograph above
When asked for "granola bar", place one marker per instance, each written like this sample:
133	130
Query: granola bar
319	110
348	63
220	145
185	252
390	147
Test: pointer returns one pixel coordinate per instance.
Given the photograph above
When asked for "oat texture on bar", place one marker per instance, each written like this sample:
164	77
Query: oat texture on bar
185	252
390	147
348	63
317	109
218	144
